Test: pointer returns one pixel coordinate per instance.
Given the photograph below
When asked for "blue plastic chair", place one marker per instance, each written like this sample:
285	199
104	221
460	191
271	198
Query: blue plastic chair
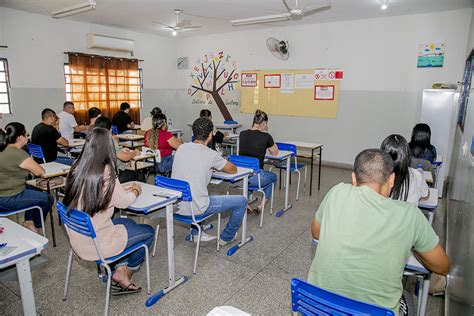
230	122
254	164
36	151
115	130
308	299
5	213
80	222
193	220
294	166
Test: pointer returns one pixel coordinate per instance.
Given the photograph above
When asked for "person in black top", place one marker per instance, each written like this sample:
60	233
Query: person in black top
420	144
122	120
217	137
46	135
254	142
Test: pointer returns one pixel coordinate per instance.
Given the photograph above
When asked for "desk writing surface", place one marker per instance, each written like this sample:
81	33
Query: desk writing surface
241	172
282	154
304	144
76	143
147	199
130	137
226	126
432	201
25	241
54	169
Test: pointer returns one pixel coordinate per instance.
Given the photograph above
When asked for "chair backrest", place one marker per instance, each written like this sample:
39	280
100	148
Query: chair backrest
114	130
35	151
309	299
245	162
230	122
177	185
287	147
80	222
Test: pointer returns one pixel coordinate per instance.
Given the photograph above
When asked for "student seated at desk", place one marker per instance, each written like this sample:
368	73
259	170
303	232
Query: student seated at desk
194	163
93	113
366	238
14	168
46	135
124	155
92	187
147	123
159	138
410	185
217	137
67	122
122	119
420	144
255	142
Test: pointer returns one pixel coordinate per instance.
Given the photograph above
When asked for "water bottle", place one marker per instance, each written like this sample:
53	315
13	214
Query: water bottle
420	168
170	123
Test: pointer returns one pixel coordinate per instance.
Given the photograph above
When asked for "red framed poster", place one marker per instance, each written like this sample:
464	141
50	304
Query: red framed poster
272	81
248	79
324	92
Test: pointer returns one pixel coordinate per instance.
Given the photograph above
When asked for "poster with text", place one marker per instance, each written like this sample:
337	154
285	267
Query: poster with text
248	80
287	83
324	92
272	81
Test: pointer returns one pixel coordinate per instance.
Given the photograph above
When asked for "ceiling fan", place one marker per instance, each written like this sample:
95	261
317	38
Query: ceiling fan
294	13
185	25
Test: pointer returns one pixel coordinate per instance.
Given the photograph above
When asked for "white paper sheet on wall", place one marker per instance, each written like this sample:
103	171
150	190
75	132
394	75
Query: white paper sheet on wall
304	81
287	83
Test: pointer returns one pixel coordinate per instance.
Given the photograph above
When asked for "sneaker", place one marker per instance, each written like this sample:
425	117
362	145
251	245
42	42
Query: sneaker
204	237
223	243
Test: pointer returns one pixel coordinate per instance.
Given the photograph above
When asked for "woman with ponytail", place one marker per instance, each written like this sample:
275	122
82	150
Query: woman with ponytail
255	142
14	168
410	185
159	138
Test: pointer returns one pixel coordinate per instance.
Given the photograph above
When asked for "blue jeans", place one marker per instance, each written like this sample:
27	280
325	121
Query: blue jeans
28	198
65	160
266	177
237	204
136	233
166	164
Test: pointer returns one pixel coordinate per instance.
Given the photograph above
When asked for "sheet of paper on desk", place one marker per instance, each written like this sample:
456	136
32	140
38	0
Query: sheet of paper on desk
6	250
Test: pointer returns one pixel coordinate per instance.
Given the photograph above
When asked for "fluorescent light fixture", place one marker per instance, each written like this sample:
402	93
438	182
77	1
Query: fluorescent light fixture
266	19
74	9
384	5
174	33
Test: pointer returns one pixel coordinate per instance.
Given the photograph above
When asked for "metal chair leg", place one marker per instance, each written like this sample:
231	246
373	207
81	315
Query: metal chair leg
197	248
107	293
262	210
147	262
298	185
156	239
218	229
271	201
305	172
68	275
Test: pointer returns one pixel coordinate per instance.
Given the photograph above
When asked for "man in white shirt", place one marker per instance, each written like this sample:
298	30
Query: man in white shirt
194	163
67	122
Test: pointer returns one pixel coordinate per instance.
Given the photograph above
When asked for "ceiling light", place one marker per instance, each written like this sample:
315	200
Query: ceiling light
267	19
174	33
384	5
74	9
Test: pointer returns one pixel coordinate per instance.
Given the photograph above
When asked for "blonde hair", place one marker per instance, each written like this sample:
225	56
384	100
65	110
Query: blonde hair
158	121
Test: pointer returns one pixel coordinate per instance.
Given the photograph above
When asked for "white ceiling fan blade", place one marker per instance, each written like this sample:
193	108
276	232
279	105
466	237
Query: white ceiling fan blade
262	19
166	26
184	23
193	27
286	6
321	5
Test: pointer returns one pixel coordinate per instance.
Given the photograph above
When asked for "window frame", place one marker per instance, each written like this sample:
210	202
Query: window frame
7	83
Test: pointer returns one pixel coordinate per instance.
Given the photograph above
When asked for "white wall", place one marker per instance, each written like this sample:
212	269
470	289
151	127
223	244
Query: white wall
381	90
35	55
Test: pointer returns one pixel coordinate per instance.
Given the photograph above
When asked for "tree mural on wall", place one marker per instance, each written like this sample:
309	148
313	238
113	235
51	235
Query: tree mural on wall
212	77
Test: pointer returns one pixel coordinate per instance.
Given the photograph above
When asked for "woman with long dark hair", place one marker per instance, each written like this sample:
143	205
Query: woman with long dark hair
15	165
92	187
159	138
420	144
410	185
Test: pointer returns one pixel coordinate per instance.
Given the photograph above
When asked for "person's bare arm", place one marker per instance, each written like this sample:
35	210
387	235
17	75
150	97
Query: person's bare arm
175	142
435	260
32	166
229	168
127	154
273	150
80	128
62	141
315	228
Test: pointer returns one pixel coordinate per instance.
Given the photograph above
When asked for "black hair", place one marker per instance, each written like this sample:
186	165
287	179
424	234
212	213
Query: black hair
47	113
156	110
103	122
420	140
373	165
202	127
12	131
397	147
94	112
124	106
87	184
158	121
67	103
260	117
205	113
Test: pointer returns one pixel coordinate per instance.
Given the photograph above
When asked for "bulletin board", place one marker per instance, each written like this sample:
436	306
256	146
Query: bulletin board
288	92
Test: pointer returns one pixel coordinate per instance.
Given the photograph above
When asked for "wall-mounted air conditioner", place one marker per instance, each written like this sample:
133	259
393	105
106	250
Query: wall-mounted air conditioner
109	42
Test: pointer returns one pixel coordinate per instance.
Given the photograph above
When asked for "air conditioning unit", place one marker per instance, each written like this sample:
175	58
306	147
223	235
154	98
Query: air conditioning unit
109	42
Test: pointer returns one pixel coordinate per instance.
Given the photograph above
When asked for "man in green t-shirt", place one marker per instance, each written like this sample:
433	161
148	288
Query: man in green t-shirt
366	238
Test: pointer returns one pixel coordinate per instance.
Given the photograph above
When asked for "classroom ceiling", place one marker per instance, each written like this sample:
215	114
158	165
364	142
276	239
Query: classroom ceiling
215	15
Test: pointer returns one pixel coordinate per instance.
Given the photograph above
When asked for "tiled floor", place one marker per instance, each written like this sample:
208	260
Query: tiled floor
256	279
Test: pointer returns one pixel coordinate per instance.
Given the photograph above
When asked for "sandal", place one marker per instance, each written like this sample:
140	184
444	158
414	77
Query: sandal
126	290
250	210
257	211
